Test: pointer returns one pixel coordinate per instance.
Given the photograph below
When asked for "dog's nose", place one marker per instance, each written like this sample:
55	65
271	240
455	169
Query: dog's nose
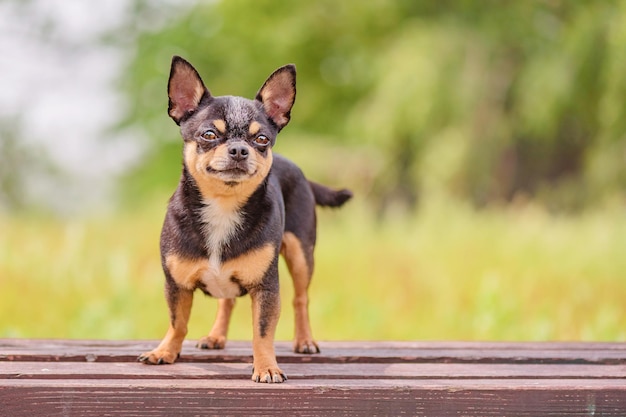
238	151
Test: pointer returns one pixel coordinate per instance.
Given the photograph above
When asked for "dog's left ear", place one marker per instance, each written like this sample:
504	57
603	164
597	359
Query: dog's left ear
278	95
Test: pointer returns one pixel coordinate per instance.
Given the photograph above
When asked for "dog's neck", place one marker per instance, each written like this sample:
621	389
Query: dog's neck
221	214
229	197
219	225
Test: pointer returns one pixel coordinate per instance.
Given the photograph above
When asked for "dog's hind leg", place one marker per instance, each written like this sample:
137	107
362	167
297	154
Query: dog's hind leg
299	258
216	338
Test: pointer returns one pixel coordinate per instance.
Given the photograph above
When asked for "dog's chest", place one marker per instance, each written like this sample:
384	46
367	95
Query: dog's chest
220	224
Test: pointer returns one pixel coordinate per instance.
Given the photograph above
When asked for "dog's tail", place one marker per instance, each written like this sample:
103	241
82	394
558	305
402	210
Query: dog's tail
327	197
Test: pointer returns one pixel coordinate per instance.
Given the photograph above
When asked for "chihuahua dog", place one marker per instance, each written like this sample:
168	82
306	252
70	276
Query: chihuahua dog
237	207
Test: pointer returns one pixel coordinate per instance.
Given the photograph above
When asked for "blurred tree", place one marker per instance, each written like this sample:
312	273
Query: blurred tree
525	88
235	45
20	165
11	180
483	100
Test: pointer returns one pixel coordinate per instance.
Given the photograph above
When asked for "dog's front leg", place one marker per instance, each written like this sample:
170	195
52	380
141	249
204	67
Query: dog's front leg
179	301
265	313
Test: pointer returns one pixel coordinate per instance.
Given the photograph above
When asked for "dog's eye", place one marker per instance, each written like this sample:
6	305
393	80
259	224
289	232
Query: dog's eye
209	135
262	140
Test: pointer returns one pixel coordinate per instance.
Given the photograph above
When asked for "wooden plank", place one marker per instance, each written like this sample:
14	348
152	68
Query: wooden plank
82	377
332	352
241	371
315	398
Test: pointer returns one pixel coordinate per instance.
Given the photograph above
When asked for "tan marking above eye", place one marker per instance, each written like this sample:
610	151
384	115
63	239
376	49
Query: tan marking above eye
254	128
220	125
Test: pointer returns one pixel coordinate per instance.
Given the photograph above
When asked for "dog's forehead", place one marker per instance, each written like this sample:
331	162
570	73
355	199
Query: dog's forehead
239	112
236	114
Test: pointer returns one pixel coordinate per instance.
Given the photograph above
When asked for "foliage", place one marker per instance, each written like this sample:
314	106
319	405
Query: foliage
449	272
486	101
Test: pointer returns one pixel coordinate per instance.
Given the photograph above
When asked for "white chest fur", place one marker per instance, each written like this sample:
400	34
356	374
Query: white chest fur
222	279
220	224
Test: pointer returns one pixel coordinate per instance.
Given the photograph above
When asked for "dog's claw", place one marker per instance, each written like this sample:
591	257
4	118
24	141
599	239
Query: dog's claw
307	348
158	357
278	378
209	342
275	376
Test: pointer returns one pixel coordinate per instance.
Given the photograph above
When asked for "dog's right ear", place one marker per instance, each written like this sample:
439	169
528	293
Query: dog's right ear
185	90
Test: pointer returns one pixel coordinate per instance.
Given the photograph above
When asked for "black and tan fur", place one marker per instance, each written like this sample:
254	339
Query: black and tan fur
237	207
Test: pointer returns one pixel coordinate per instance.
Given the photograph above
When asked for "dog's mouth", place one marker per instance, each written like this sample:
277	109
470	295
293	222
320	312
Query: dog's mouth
232	172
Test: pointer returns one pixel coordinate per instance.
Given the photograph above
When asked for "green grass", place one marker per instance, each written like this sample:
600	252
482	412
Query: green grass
448	272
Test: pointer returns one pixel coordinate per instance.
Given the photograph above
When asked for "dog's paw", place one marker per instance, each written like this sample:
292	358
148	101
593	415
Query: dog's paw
306	347
158	357
268	375
209	342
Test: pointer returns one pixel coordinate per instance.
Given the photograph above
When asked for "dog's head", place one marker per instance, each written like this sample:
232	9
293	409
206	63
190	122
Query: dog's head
228	140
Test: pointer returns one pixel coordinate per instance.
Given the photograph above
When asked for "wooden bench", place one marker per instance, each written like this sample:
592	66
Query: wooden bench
102	378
